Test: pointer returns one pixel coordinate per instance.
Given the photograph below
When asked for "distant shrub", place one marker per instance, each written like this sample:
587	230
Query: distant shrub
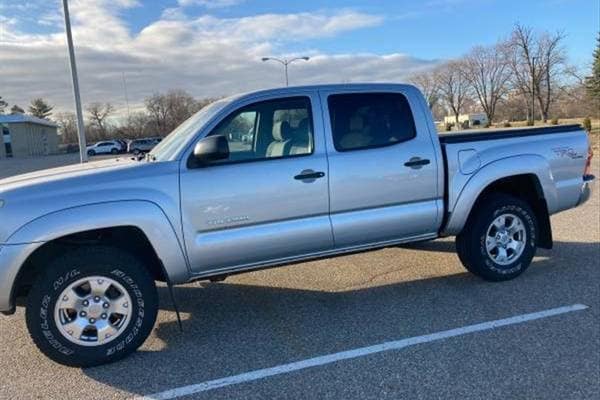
507	124
587	124
554	121
449	127
529	122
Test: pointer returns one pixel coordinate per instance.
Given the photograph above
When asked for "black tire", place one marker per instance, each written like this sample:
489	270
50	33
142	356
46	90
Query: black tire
114	151
91	153
72	266
471	242
136	152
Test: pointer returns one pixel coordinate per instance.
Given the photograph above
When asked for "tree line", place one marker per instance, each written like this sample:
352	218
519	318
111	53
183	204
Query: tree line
38	108
163	112
523	77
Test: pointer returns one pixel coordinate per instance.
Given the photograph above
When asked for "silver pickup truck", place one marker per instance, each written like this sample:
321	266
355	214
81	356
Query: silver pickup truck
265	179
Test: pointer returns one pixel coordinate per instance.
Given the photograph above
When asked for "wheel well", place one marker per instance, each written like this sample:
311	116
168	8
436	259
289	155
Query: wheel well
127	238
526	187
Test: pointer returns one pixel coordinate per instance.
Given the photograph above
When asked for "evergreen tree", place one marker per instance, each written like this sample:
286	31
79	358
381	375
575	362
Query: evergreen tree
593	81
3	105
39	108
15	109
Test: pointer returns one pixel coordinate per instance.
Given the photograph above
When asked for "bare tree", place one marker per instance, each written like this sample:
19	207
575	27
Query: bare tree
138	125
573	99
67	125
488	73
169	110
98	113
181	106
536	61
453	86
158	109
428	85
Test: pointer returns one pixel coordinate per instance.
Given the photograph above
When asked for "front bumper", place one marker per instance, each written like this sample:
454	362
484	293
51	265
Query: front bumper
586	189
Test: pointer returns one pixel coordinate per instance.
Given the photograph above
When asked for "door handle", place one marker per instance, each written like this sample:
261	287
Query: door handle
309	174
416	162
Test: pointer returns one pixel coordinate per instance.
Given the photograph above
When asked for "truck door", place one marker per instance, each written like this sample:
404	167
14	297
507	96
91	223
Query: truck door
268	201
383	172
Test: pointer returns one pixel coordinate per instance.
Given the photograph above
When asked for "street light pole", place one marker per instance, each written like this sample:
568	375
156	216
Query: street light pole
533	91
285	62
126	96
80	125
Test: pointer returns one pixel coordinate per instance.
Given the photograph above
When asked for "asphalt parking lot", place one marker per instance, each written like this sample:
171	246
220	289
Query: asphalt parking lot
269	319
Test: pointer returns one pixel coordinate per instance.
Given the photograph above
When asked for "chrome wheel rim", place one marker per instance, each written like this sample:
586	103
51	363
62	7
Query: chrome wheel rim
93	311
505	239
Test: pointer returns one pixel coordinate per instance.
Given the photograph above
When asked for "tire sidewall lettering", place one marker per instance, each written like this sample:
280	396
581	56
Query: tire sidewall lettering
47	315
135	326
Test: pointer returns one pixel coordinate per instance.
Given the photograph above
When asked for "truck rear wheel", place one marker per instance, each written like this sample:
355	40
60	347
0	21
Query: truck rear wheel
91	306
499	239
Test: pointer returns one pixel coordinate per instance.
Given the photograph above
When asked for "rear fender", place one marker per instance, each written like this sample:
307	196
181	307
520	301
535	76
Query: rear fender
492	172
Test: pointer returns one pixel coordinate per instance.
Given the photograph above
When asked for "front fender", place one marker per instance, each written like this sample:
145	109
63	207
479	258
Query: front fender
145	215
499	169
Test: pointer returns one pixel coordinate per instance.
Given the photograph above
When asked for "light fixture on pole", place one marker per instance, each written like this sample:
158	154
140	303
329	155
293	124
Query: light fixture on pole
285	62
80	125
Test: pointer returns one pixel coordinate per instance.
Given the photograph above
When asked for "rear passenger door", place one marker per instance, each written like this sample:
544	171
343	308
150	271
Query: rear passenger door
269	200
382	169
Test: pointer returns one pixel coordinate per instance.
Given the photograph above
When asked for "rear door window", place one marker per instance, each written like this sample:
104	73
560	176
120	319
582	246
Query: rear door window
370	120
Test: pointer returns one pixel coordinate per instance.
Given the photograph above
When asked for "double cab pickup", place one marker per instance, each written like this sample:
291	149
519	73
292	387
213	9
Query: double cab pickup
265	179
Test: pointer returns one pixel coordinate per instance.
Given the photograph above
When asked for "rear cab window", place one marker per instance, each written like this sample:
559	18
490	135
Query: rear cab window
370	120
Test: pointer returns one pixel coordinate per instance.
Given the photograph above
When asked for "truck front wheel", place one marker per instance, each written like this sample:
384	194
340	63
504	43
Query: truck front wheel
499	239
91	306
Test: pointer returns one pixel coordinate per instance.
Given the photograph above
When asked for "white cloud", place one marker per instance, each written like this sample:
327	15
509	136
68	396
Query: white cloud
7	21
206	55
265	27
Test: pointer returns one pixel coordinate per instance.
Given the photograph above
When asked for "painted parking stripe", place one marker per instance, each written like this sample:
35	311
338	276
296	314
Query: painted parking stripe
355	353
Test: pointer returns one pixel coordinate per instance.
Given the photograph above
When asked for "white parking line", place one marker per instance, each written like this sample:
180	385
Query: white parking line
355	353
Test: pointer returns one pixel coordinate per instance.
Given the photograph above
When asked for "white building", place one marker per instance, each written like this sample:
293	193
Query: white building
476	120
26	136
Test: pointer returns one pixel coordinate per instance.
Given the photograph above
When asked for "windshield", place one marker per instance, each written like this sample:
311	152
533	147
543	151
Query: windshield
177	139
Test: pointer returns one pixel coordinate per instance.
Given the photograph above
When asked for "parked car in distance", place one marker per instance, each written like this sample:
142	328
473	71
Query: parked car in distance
139	146
105	147
124	145
327	170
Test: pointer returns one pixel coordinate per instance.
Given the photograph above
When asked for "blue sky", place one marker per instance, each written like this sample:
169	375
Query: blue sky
427	29
389	39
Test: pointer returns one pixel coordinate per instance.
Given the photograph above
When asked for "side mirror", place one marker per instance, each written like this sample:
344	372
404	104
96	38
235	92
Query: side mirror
211	148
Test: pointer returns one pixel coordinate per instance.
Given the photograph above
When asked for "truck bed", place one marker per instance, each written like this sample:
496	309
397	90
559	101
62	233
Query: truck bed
492	134
555	155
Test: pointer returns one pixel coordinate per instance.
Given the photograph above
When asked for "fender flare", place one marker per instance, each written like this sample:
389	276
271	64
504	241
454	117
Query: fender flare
528	164
144	215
